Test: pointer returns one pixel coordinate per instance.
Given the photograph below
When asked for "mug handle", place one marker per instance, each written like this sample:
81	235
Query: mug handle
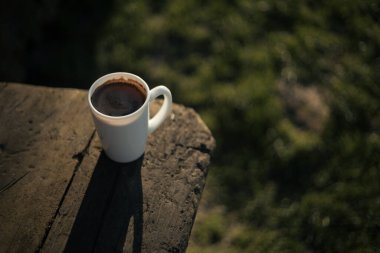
165	109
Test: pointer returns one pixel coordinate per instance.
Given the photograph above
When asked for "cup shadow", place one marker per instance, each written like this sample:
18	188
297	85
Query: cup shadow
113	198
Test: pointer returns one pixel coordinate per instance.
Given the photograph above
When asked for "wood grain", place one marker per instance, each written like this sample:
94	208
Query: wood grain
41	130
62	193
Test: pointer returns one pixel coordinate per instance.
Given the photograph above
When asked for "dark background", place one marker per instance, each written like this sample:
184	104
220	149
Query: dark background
51	42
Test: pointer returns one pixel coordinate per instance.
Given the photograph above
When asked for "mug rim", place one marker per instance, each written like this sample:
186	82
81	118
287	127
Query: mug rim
108	77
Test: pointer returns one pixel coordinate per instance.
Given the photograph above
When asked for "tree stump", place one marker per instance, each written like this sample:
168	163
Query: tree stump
59	192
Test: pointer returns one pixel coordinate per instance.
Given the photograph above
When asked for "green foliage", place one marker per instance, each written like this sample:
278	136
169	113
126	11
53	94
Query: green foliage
299	181
210	230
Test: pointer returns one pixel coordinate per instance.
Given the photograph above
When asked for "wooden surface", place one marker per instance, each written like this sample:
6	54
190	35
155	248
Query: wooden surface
59	192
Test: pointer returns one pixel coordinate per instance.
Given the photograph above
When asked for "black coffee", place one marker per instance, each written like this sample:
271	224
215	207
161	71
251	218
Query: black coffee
118	98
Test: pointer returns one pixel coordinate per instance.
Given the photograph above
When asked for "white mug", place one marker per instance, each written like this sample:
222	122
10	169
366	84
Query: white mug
124	137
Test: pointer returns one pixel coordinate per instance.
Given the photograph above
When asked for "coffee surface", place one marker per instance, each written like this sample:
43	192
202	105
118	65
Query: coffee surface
117	99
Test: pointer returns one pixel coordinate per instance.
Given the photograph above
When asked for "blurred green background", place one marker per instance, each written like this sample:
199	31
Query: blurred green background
290	90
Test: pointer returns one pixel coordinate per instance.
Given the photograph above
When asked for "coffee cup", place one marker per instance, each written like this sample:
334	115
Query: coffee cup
119	104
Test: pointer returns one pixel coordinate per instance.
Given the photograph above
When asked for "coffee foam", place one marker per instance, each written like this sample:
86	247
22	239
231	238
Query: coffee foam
135	83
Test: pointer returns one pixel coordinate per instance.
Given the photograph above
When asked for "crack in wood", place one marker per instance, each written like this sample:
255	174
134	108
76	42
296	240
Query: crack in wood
202	148
79	156
12	182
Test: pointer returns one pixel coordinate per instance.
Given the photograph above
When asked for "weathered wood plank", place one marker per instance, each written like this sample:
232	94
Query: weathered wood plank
153	201
60	192
174	176
41	130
